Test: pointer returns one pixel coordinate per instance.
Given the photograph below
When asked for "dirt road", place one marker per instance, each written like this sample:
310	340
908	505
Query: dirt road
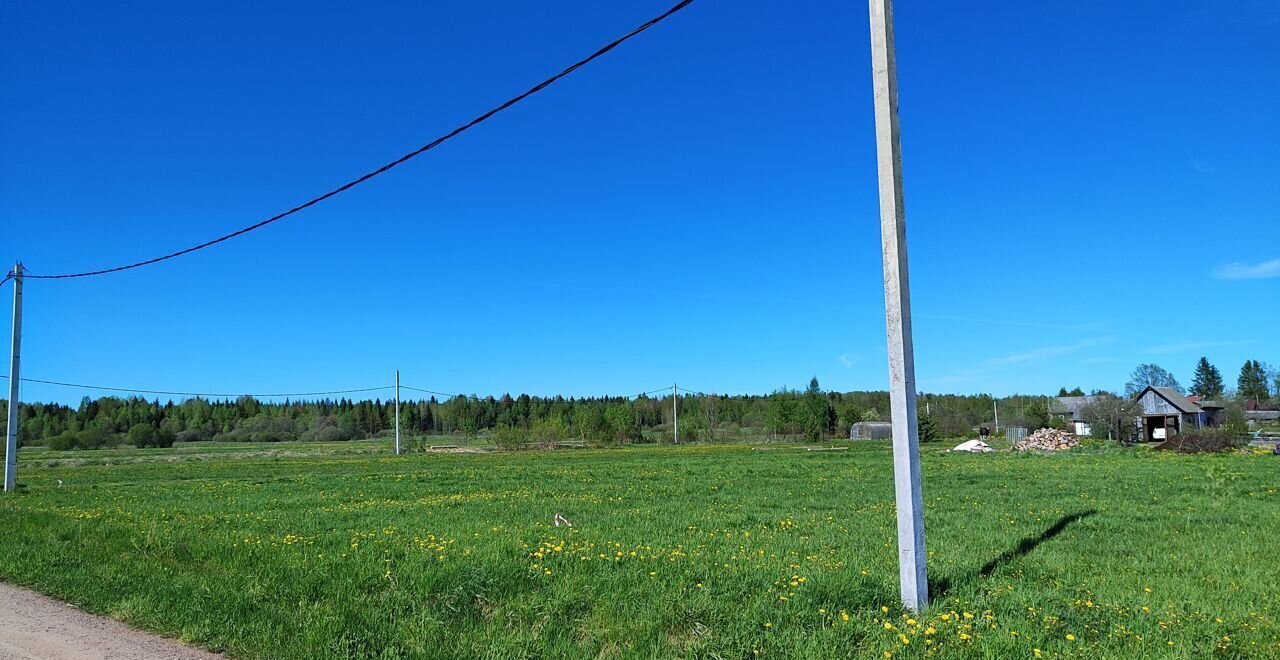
34	627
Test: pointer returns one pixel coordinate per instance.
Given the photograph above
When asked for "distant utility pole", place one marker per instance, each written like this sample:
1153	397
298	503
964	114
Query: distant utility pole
397	412
912	576
15	377
995	411
675	414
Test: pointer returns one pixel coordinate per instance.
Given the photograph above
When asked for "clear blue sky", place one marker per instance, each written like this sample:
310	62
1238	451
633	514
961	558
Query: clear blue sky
1089	186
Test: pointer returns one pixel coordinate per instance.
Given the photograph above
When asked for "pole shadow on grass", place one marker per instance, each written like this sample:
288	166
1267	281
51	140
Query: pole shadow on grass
941	587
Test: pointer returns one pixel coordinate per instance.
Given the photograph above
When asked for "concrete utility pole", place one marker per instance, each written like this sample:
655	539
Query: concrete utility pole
397	412
897	312
15	377
995	411
675	414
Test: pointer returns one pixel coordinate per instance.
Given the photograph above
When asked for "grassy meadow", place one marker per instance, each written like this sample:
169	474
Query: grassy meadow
697	551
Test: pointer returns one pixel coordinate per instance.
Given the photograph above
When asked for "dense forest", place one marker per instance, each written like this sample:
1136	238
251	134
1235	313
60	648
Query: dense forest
811	413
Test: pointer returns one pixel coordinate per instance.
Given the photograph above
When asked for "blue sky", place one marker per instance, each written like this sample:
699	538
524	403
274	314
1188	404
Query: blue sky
1089	186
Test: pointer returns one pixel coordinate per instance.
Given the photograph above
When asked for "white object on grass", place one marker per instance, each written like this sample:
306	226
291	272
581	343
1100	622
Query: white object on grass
557	519
973	446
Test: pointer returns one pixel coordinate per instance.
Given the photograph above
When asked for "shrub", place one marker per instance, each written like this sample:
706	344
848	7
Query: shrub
63	441
142	435
509	438
164	438
200	433
547	432
94	438
1198	441
271	436
326	434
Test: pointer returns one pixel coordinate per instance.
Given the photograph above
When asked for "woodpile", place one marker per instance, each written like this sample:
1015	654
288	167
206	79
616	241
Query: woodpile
1047	440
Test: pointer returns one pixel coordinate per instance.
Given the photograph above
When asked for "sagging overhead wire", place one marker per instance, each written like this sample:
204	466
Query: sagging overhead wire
473	397
385	168
280	395
220	395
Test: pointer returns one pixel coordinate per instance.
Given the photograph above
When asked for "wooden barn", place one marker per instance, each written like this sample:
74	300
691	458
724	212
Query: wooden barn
1165	411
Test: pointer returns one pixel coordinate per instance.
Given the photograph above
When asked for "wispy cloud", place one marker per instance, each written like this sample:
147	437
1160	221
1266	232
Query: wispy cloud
1238	271
1182	347
1093	327
1103	360
1201	166
1082	327
847	359
1045	352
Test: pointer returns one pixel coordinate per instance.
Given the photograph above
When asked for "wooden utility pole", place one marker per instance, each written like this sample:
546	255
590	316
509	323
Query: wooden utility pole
397	412
675	414
897	311
15	377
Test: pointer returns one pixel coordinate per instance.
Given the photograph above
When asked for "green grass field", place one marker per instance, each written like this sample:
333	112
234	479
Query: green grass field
708	552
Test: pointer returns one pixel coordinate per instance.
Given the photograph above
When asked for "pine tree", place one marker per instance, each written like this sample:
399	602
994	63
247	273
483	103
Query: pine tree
1252	383
926	428
1208	380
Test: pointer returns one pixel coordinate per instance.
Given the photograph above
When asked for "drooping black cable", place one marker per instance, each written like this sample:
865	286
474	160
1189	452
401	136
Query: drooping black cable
412	154
201	394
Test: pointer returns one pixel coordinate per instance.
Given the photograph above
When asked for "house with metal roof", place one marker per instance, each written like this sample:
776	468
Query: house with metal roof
1068	409
1165	412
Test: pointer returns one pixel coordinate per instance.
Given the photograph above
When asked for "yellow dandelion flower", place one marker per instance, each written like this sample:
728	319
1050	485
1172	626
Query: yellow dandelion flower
1070	637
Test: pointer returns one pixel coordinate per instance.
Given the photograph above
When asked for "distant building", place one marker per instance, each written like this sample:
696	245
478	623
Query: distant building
1257	417
1067	408
871	431
1165	412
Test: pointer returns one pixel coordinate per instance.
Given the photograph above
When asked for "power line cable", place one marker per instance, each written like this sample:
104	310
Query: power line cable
201	394
131	390
473	397
399	161
451	396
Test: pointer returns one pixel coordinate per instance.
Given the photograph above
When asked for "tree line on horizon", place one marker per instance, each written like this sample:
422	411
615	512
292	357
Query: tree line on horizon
811	413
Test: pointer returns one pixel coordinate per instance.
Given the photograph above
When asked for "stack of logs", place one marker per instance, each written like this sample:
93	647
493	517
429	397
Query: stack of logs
1047	440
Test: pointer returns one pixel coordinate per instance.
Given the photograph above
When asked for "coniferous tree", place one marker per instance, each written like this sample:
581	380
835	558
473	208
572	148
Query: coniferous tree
1252	383
1208	380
